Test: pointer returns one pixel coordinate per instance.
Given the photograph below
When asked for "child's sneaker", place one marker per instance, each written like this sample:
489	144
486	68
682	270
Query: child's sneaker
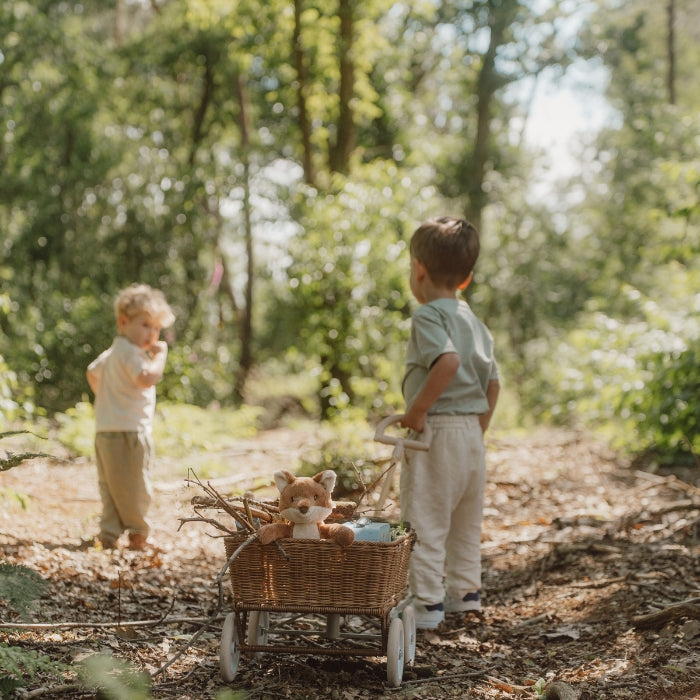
428	617
470	602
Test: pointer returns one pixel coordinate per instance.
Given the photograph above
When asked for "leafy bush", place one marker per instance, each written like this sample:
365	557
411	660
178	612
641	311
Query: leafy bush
637	381
179	428
665	409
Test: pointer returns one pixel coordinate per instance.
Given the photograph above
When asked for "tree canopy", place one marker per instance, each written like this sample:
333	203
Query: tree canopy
265	164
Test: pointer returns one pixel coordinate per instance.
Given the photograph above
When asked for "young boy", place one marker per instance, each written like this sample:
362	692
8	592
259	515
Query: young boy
451	384
123	379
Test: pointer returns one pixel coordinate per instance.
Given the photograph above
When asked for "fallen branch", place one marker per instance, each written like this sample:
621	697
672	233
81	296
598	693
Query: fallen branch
555	690
672	481
96	625
446	677
46	690
602	583
687	608
190	642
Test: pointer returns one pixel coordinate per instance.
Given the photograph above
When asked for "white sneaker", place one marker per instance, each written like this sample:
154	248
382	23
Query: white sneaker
470	602
428	617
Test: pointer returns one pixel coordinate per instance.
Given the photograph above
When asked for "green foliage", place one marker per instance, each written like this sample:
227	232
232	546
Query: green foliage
116	679
228	694
9	391
179	428
17	663
347	294
125	157
349	452
20	587
666	411
634	381
76	429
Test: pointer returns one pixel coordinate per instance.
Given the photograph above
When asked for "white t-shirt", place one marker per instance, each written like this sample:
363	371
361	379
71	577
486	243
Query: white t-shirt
121	404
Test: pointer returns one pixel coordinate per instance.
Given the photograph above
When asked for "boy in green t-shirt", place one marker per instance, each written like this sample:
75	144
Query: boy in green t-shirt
450	384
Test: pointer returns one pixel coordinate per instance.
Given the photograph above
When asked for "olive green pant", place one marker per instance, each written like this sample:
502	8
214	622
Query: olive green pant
123	466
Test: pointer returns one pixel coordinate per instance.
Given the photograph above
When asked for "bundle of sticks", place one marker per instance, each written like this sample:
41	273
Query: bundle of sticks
246	512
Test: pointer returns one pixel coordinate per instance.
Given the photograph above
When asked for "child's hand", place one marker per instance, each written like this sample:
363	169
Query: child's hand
414	421
158	347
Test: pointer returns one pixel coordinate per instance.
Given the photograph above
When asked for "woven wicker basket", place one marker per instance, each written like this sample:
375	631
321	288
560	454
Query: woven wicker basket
319	575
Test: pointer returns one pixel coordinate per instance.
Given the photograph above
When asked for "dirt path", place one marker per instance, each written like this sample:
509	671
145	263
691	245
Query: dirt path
576	549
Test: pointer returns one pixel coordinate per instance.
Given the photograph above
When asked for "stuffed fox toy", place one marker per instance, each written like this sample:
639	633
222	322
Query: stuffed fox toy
305	502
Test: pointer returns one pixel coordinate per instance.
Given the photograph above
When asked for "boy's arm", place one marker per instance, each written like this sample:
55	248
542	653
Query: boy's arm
153	371
438	379
492	390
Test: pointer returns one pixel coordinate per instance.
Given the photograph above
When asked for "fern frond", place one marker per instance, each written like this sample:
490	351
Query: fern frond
8	685
16	663
20	586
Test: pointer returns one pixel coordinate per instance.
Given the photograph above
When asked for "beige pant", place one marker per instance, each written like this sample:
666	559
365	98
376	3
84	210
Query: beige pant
123	466
442	496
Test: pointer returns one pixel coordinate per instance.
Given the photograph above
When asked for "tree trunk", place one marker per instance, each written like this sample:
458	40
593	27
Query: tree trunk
671	9
339	156
202	108
302	80
118	23
246	315
487	85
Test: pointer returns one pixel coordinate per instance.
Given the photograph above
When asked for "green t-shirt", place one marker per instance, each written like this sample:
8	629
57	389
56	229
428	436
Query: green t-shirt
449	325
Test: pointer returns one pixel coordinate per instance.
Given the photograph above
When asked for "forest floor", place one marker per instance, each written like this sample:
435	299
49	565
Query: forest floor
591	578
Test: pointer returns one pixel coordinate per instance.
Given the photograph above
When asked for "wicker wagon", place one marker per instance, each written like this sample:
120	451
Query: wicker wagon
319	578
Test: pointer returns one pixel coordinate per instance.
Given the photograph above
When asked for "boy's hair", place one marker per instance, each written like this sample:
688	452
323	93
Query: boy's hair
448	247
140	298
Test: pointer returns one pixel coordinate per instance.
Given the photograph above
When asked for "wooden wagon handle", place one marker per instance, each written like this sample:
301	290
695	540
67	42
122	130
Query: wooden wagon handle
379	435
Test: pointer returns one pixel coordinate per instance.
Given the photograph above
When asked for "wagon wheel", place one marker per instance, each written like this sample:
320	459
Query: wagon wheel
409	634
395	653
229	651
258	628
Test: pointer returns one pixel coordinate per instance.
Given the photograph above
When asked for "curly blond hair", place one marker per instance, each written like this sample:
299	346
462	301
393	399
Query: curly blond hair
141	298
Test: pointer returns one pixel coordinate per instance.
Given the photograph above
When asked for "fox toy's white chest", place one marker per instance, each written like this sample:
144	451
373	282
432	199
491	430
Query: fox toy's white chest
306	531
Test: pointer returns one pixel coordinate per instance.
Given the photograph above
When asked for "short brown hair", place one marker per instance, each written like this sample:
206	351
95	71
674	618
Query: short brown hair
140	298
448	247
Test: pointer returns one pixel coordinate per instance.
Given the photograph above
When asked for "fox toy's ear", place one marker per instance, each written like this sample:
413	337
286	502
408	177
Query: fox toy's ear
326	479
283	479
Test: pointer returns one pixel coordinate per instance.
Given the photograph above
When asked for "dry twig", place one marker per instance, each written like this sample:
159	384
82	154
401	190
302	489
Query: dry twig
687	608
